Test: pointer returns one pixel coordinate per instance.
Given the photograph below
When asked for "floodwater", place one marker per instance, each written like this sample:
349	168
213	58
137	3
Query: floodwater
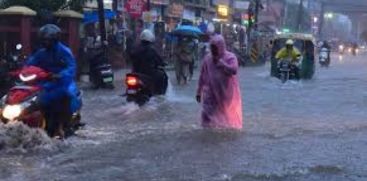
308	130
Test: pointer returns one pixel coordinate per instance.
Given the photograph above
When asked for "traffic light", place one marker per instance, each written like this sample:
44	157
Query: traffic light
248	19
251	20
245	19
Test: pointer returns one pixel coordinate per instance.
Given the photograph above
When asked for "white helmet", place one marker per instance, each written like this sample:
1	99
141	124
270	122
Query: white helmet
289	42
147	35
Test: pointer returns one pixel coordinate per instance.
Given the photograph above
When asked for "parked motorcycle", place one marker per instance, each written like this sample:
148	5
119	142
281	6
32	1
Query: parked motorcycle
101	74
287	71
324	59
20	103
140	88
8	65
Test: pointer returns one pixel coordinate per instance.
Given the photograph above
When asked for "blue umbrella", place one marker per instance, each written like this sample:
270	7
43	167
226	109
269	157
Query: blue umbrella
187	30
92	16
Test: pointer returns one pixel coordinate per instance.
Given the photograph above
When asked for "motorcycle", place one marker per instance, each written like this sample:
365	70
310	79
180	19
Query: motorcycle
101	74
8	65
341	49
355	51
140	88
20	103
324	57
241	55
287	71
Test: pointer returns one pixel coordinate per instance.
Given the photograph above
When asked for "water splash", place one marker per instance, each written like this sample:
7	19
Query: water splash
17	136
170	92
173	96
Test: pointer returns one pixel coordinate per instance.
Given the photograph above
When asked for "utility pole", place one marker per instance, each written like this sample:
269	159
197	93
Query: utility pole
148	5
285	12
321	21
300	16
102	26
114	5
257	6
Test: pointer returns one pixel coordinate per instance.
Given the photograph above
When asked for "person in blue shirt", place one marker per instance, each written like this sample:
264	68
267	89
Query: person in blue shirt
58	100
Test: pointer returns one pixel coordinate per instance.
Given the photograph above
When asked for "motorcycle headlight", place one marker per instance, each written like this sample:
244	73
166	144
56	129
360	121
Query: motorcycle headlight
11	112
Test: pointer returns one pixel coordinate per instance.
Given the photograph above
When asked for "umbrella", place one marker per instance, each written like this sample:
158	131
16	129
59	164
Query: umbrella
92	16
186	30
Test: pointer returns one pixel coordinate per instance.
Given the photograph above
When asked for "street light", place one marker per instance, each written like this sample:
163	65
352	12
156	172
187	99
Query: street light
329	15
315	19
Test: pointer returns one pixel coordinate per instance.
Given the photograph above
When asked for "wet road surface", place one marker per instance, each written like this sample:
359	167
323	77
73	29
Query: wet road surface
308	130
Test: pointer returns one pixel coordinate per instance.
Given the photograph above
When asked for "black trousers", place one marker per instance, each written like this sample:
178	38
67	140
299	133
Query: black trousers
58	119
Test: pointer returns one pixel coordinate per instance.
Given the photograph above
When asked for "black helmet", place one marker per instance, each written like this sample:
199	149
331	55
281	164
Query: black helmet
49	31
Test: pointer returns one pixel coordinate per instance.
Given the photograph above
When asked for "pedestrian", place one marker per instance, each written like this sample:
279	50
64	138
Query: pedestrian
218	88
241	37
194	47
183	59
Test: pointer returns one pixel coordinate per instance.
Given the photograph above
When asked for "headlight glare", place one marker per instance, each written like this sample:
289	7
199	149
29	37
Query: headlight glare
11	112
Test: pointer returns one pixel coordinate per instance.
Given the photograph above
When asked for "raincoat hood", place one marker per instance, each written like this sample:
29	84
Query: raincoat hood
219	42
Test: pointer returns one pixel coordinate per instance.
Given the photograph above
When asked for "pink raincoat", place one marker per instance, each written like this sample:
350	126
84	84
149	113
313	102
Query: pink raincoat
219	89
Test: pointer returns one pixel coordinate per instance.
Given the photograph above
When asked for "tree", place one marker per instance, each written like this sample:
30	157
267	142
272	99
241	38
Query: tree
42	6
45	8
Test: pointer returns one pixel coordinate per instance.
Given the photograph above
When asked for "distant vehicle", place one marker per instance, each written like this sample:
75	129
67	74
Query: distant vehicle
324	58
287	71
304	43
101	73
140	88
341	49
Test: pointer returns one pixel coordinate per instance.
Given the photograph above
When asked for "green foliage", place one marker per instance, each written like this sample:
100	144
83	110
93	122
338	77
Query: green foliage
46	5
37	5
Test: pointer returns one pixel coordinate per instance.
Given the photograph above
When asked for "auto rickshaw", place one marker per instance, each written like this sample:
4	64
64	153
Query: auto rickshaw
305	44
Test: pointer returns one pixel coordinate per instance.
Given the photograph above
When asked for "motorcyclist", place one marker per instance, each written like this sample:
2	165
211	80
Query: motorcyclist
354	48
326	45
147	61
57	101
292	53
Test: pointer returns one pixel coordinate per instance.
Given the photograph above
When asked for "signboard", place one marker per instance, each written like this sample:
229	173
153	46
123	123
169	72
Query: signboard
135	8
222	11
159	2
241	5
189	14
147	17
175	10
223	2
120	5
151	16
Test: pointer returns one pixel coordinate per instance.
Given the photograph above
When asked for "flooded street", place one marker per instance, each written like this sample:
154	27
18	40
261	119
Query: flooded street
308	130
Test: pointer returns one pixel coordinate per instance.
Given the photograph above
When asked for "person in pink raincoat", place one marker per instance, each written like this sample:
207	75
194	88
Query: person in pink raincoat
219	89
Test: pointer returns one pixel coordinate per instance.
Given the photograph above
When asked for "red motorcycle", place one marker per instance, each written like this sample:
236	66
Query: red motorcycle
19	104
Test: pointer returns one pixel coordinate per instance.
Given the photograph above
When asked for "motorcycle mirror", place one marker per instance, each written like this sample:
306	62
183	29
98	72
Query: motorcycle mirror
19	46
